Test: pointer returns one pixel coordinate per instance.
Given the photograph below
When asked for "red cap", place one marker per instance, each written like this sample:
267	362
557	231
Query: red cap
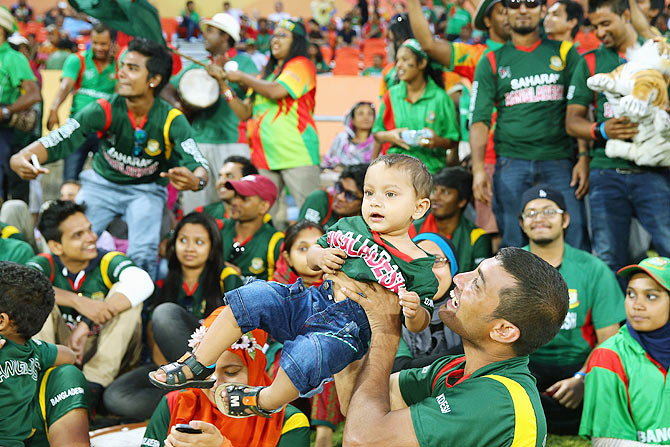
255	185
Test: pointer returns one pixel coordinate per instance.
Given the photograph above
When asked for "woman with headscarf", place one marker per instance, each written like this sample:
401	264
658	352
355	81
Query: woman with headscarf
626	389
244	362
437	340
355	144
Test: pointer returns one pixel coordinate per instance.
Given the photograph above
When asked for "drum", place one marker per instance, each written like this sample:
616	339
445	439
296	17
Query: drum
198	90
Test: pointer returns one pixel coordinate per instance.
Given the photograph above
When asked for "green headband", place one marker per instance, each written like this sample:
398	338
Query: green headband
414	45
294	27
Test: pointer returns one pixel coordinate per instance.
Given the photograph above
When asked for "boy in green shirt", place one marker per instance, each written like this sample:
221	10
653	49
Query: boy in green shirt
26	298
321	330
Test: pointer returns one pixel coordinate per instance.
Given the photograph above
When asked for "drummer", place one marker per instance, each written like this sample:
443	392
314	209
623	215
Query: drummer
216	127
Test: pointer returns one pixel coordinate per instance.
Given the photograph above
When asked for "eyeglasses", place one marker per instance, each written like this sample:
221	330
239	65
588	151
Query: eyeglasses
348	195
238	249
549	212
441	262
140	141
516	4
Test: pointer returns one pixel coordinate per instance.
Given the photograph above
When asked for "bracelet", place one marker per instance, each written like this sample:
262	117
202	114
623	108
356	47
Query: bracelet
228	94
593	131
582	154
580	375
602	131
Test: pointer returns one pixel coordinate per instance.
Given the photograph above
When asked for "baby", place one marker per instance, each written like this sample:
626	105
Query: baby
321	329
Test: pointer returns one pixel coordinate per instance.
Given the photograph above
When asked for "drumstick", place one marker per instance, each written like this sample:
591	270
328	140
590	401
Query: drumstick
195	61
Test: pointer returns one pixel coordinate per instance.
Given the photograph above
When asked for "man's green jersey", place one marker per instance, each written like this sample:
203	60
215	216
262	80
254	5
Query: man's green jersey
10	231
91	83
596	301
626	393
215	209
15	251
318	208
257	256
448	408
218	123
528	87
93	282
61	390
20	365
167	141
14	69
370	258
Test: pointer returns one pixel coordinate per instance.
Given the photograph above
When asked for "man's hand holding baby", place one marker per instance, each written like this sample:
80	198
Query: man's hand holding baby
416	317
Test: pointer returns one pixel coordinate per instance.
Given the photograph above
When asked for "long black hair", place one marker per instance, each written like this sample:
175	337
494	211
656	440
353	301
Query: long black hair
209	279
401	29
298	48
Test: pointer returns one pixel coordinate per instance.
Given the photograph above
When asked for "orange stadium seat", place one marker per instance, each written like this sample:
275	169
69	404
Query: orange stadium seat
327	53
347	61
372	47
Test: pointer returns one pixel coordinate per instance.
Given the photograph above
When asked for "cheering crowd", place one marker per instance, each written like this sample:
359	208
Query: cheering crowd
470	250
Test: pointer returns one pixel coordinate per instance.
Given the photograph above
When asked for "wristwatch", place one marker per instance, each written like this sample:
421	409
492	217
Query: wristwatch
201	184
5	113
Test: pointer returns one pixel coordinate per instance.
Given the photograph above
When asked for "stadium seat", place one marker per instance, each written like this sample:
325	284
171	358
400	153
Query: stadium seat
372	47
347	61
327	53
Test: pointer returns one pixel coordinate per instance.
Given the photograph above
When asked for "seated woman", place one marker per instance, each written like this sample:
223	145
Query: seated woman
626	401
437	340
315	55
243	363
192	289
355	144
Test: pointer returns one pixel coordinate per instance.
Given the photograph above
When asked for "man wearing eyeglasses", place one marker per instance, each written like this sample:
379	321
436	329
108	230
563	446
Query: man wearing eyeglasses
527	81
326	209
144	142
594	314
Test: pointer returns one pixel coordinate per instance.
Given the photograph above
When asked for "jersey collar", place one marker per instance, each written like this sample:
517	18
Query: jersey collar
529	49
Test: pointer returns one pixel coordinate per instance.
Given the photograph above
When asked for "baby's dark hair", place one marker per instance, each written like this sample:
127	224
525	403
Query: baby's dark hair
26	295
417	171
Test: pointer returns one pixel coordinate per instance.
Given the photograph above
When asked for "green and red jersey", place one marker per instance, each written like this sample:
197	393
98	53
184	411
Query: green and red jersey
61	390
596	301
93	282
282	132
14	250
528	87
446	406
256	256
472	243
318	208
20	365
14	69
626	393
370	258
91	82
121	159
434	110
10	231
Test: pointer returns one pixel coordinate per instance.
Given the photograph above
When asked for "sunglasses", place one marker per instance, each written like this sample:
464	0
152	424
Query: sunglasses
238	249
516	4
348	195
140	141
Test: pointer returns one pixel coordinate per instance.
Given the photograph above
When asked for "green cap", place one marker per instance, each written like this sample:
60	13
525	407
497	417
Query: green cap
483	10
294	27
658	268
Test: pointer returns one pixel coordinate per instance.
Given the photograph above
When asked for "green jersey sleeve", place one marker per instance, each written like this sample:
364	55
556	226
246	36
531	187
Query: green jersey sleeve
66	390
185	147
46	352
416	384
72	67
295	431
605	413
608	300
572	60
65	140
578	92
316	207
230	279
42	263
112	264
159	426
483	95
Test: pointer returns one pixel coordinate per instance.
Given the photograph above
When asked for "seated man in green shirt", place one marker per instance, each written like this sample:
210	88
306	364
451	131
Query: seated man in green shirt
595	311
504	310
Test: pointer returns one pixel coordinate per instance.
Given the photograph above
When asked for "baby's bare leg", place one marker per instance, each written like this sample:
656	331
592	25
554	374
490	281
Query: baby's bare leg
281	392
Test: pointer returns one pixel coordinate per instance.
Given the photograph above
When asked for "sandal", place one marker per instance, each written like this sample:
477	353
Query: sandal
241	397
175	370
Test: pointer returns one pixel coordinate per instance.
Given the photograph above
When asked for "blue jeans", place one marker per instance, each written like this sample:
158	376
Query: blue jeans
514	176
74	163
320	336
615	196
141	207
6	134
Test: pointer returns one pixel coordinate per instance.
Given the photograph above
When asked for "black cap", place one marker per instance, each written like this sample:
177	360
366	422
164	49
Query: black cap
542	192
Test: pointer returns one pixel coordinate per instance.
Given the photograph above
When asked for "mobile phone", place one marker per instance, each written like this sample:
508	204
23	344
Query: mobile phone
185	428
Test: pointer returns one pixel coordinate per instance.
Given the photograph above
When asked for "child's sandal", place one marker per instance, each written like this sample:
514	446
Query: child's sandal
175	379
240	398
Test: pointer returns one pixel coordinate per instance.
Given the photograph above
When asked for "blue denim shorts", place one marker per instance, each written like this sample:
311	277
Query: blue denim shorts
320	336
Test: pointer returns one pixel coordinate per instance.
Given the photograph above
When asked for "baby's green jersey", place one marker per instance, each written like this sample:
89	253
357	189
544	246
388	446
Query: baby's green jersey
20	365
370	258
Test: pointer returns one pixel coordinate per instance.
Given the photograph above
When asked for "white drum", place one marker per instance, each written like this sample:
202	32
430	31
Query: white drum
198	90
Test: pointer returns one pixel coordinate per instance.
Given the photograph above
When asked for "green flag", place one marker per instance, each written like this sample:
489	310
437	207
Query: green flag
134	17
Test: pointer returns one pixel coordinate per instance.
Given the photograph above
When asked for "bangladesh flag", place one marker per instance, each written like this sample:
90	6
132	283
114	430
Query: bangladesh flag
134	17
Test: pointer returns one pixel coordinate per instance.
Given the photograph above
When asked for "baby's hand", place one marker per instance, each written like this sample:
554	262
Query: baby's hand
410	303
332	259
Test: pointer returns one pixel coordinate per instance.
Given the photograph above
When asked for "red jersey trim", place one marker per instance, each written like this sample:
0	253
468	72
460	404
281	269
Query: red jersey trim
394	251
610	360
589	331
447	367
529	49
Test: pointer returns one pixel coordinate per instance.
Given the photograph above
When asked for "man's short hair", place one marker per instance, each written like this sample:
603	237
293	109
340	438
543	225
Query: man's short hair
247	167
457	178
538	302
574	11
100	28
617	6
54	215
417	172
26	295
356	173
159	61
